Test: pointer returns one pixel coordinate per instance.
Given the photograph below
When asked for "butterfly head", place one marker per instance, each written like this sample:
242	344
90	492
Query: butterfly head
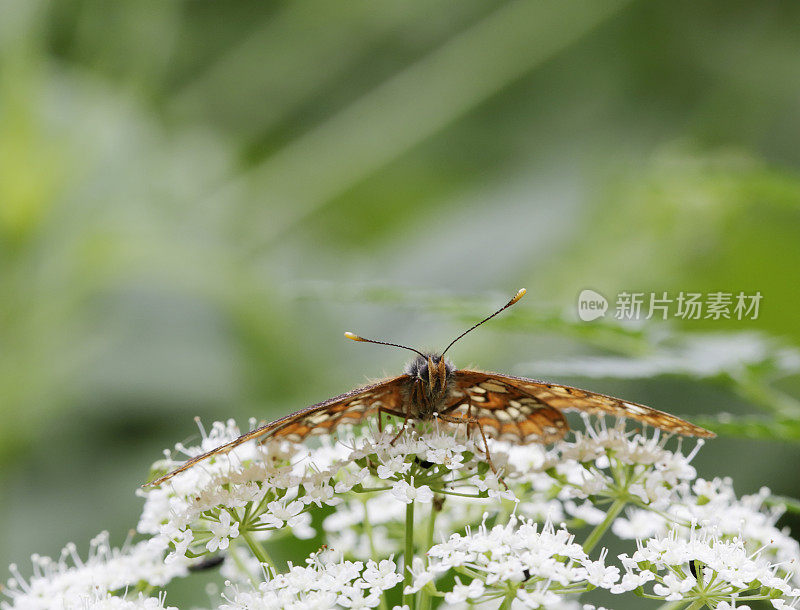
433	371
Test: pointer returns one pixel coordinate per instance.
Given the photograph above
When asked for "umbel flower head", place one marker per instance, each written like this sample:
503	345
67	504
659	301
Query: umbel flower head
95	582
418	519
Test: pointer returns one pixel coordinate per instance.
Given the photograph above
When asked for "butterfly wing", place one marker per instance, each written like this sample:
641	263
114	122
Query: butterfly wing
564	398
503	410
321	418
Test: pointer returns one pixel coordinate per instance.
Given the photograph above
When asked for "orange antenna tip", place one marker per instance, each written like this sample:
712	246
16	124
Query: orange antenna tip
520	293
355	337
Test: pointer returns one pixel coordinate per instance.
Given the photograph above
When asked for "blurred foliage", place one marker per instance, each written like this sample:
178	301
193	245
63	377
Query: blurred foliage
174	175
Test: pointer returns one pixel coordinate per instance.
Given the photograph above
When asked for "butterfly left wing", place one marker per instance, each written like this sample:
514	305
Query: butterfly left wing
565	398
351	407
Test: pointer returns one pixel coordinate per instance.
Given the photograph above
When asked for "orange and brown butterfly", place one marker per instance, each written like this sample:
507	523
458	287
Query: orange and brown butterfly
499	406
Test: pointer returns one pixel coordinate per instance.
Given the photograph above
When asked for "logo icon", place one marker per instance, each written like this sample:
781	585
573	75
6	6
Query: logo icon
591	305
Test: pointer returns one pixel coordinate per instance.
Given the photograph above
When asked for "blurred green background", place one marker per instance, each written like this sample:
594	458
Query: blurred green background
197	198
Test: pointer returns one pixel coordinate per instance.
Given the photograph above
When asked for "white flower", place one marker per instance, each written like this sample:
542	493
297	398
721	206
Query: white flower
382	575
491	484
392	467
538	598
585	512
221	532
301	526
782	605
319	490
639	524
182	542
349	479
600	575
406	492
462	593
280	511
420	575
674	587
631	581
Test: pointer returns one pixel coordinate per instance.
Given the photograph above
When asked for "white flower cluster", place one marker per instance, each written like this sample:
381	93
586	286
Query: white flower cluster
107	601
602	464
467	534
323	583
708	568
714	505
262	489
73	583
516	560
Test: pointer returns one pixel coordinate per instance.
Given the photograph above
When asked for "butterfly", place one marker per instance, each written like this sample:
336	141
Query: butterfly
504	407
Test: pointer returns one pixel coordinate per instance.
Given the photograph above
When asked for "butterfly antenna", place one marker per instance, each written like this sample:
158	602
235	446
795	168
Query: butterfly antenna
517	297
355	337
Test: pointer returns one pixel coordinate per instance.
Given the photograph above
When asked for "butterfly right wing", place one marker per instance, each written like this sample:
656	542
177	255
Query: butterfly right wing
502	410
351	407
567	398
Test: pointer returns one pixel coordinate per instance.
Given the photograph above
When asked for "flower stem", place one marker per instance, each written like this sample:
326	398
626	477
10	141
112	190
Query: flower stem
697	604
436	506
508	599
259	551
233	554
672	605
600	528
408	558
368	532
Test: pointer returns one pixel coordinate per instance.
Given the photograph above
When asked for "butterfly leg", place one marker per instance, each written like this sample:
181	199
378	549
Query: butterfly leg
402	429
470	421
382	410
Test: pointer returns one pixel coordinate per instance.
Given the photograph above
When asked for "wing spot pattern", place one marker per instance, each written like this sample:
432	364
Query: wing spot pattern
634	408
502	415
493	387
508	412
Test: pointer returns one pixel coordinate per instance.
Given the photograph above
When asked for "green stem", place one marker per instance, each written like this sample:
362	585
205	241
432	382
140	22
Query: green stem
259	551
233	554
600	528
425	597
508	599
431	529
368	532
697	604
408	558
672	605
